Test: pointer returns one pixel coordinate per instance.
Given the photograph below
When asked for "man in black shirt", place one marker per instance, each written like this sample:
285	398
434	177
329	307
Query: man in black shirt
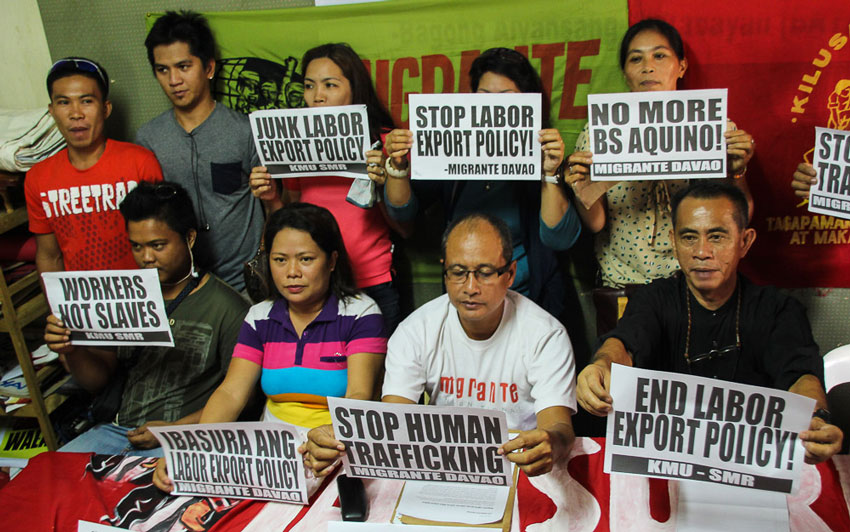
710	321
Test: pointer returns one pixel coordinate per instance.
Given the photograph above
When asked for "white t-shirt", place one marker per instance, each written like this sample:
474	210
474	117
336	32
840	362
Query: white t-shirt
525	367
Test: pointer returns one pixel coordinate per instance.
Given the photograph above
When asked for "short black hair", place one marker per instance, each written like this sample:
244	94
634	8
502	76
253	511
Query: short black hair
664	28
78	66
477	217
183	26
320	224
165	201
713	189
514	66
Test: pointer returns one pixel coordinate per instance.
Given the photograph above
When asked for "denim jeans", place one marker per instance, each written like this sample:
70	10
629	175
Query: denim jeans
107	438
386	296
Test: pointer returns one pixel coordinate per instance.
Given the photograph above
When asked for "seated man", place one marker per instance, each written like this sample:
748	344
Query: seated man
759	336
163	385
483	346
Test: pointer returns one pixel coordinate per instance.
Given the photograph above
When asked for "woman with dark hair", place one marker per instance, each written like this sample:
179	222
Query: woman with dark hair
632	218
335	75
538	214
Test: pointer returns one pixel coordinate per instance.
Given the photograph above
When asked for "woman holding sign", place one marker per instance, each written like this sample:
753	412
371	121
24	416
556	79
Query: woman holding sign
334	75
633	217
316	337
538	214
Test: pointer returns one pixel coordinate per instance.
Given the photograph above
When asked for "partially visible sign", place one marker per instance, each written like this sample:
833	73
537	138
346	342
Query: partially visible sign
831	160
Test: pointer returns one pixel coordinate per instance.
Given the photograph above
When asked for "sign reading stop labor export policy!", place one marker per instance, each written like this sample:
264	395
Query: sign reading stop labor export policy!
416	442
239	460
312	141
475	136
831	195
657	135
670	425
118	307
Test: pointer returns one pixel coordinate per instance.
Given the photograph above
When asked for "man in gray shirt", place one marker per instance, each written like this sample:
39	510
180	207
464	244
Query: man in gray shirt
203	145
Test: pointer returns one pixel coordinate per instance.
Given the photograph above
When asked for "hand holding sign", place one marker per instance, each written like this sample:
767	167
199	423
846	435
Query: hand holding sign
57	336
592	388
398	145
740	146
322	451
803	180
821	441
261	184
552	146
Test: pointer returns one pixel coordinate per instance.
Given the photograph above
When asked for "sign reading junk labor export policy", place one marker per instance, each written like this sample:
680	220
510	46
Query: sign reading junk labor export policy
671	425
240	460
657	135
312	141
831	160
118	307
415	442
475	136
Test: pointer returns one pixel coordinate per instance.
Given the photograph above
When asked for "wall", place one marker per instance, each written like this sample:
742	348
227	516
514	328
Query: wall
25	53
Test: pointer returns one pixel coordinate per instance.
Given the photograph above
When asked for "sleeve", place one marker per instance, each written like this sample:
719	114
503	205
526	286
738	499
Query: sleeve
792	350
405	372
149	169
564	234
38	222
552	372
249	345
366	334
142	139
402	213
230	329
583	139
640	328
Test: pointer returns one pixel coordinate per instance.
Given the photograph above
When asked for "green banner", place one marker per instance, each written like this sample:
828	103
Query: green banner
424	46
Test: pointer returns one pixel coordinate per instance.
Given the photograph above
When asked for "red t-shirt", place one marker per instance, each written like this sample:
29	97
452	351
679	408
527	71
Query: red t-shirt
81	207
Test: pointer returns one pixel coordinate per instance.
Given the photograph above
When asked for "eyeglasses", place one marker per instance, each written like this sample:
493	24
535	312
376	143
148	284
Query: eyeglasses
83	65
484	274
714	354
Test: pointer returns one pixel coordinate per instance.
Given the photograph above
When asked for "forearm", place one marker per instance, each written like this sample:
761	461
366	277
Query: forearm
223	406
398	191
593	217
553	203
810	386
557	422
192	419
613	351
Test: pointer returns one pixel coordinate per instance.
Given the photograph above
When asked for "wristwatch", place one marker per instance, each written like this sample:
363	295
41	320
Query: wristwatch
824	414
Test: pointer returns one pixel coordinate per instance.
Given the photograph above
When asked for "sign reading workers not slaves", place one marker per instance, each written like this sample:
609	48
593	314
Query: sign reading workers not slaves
475	136
313	141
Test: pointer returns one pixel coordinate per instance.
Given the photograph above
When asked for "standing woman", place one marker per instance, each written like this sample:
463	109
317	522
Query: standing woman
632	218
335	75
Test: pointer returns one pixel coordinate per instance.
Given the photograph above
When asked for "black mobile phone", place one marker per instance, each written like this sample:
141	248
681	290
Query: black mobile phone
352	498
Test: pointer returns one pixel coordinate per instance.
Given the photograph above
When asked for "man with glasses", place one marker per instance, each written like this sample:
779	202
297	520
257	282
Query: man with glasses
710	321
484	346
73	196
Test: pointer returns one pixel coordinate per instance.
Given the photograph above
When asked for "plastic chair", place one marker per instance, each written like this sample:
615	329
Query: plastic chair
836	369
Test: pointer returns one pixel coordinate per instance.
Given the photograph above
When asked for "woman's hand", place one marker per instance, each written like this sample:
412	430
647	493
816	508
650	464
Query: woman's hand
804	178
577	174
397	145
375	166
142	438
160	477
262	185
740	146
322	451
56	336
552	146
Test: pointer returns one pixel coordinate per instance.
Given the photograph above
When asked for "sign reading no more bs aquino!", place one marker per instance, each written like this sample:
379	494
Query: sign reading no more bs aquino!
670	425
657	135
417	442
110	308
831	194
238	460
312	141
475	136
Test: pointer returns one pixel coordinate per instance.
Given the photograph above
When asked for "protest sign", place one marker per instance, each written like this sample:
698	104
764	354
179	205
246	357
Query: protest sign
415	442
657	135
115	307
312	141
475	136
831	160
239	460
671	425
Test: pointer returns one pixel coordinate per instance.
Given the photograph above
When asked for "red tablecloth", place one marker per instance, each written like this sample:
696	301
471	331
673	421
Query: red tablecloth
58	489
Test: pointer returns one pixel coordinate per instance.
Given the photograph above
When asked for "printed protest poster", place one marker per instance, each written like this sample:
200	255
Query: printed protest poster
312	141
657	135
475	136
115	307
831	160
416	442
670	425
239	460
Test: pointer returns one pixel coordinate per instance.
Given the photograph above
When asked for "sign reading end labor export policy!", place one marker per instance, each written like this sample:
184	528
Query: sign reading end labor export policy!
118	307
657	135
475	136
670	425
239	460
415	442
312	141
831	195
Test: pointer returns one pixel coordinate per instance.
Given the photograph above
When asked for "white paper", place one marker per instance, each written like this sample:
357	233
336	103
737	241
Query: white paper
110	308
453	503
312	141
423	443
475	136
710	507
87	526
831	194
657	135
349	526
235	460
670	425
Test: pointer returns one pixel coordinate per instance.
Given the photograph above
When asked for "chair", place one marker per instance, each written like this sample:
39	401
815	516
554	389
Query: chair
836	369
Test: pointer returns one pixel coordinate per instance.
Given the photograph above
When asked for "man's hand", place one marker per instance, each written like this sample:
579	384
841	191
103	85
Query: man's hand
142	438
740	146
56	336
322	451
537	451
592	387
804	178
160	477
821	441
262	185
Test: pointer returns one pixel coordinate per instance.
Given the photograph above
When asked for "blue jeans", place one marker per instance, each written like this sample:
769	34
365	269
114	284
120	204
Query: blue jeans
107	438
386	296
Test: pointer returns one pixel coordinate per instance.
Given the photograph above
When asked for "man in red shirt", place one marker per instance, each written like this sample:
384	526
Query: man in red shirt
73	196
